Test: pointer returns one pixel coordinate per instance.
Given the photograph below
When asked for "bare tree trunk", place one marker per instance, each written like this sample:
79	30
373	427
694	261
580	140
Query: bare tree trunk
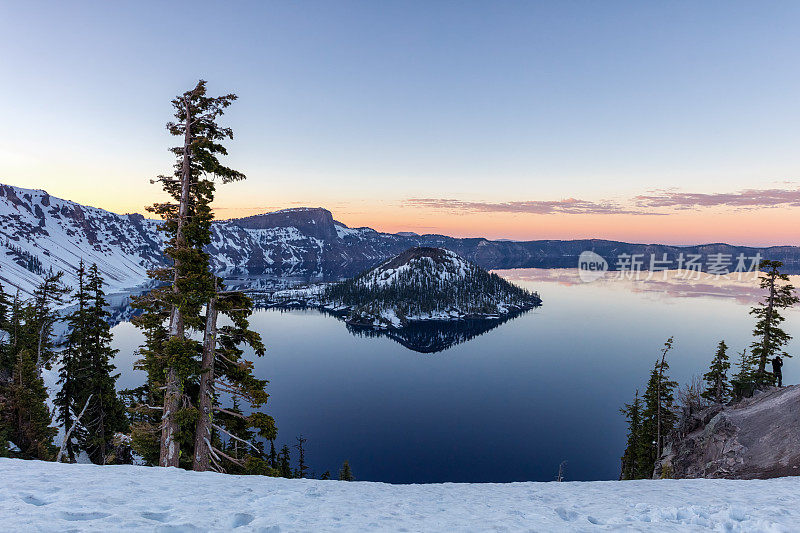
202	435
68	434
169	454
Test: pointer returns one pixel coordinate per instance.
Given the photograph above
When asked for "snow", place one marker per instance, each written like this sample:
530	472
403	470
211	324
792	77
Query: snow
39	496
60	233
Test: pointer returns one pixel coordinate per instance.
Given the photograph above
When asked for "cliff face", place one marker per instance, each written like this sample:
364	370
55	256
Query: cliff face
757	438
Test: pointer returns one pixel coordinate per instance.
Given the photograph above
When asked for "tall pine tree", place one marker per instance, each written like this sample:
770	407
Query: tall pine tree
184	374
769	337
105	412
71	361
5	369
658	415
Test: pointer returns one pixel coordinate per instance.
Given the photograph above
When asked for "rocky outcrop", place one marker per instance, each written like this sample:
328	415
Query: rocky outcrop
756	438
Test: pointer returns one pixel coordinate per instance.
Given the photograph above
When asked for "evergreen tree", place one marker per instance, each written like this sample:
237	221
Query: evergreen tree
718	388
71	361
284	462
105	413
27	408
5	361
346	474
769	337
660	411
302	467
5	371
631	469
5	306
184	374
744	381
41	318
25	417
658	416
273	455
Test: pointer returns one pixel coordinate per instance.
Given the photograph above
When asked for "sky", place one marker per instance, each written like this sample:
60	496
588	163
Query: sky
673	122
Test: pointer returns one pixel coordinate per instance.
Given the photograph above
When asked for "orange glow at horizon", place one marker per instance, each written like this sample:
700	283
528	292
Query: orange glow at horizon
753	227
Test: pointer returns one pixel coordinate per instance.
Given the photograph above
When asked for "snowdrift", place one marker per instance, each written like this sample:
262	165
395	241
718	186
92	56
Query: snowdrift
39	496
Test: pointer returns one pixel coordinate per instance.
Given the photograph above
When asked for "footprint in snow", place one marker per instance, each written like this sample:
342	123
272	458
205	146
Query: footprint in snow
76	517
157	517
567	516
33	500
241	520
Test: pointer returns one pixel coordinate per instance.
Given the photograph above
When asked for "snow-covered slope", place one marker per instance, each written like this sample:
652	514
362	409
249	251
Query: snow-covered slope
39	232
38	496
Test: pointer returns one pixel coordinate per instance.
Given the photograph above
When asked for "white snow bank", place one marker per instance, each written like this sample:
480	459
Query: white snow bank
38	496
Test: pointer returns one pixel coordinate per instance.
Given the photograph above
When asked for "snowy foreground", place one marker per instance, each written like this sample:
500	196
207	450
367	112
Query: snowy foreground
38	496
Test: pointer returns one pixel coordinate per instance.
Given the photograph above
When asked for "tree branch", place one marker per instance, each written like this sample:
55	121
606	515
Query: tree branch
69	433
235	437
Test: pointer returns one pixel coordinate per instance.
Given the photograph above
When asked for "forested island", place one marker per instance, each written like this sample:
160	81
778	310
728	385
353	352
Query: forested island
419	285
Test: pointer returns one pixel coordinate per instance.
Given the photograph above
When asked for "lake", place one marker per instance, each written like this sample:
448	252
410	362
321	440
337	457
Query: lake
509	404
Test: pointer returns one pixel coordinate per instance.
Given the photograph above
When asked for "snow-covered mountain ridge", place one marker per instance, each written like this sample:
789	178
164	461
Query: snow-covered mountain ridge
39	231
40	496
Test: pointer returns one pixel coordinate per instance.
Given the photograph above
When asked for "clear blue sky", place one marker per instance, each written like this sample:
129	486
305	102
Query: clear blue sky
361	106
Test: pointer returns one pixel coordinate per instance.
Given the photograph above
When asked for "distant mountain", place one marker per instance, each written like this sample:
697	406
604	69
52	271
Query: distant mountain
420	284
39	232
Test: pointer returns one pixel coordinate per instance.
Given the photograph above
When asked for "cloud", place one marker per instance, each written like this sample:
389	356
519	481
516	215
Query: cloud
653	203
747	199
572	206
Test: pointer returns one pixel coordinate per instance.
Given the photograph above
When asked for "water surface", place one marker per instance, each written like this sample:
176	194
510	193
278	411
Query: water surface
507	405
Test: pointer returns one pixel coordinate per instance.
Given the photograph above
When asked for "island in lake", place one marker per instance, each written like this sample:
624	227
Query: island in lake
419	285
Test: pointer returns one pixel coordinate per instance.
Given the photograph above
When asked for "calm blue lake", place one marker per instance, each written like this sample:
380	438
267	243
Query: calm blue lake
507	405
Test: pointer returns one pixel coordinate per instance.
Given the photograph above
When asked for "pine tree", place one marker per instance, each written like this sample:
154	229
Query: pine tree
346	474
769	337
273	455
660	413
744	381
30	419
285	462
105	413
630	464
25	417
5	370
718	388
5	305
185	375
65	400
302	467
658	416
41	318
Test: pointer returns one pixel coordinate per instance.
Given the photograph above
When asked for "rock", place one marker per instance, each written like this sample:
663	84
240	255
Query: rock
756	438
